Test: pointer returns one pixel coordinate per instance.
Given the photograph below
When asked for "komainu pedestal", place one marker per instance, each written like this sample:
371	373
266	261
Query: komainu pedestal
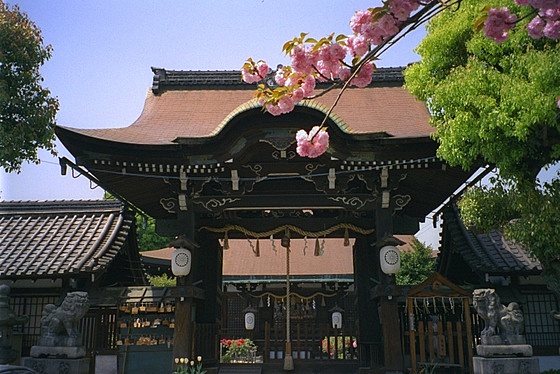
59	348
502	347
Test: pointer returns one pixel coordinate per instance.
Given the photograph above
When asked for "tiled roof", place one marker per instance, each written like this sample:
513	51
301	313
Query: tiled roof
177	79
54	239
193	104
490	253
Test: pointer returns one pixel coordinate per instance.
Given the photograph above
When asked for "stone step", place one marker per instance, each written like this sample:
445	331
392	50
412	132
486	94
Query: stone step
241	369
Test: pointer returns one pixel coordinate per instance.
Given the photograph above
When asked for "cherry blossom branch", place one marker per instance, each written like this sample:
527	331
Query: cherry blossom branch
375	31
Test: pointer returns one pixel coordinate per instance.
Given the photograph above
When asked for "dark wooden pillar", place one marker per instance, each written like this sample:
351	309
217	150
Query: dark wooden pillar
208	277
369	331
388	308
183	334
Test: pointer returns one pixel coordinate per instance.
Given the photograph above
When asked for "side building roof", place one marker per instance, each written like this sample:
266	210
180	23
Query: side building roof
66	239
484	253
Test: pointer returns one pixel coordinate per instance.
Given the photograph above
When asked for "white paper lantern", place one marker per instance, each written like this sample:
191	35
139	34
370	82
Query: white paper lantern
390	259
181	262
249	321
336	320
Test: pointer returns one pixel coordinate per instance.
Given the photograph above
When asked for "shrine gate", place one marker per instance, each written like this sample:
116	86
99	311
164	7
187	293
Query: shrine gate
206	162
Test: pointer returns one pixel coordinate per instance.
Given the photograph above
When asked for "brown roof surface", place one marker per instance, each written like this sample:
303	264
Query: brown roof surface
240	260
196	109
160	254
50	239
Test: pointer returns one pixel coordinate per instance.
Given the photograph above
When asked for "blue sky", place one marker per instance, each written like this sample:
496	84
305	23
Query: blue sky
103	51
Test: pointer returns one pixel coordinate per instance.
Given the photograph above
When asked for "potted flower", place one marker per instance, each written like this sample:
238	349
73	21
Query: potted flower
238	350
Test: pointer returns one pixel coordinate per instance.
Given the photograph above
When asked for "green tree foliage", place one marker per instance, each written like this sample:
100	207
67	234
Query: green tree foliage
162	280
527	215
148	239
497	104
486	207
416	265
27	111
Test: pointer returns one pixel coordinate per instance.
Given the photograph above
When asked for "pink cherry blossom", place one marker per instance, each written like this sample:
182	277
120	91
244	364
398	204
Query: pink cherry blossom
498	23
255	73
357	45
535	27
308	85
303	85
329	58
280	77
401	9
306	82
273	109
344	74
303	59
262	69
364	77
286	104
314	144
361	21
385	27
544	4
298	95
389	24
552	30
293	79
552	14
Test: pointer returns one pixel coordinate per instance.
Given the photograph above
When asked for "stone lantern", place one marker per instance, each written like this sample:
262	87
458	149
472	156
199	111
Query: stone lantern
7	320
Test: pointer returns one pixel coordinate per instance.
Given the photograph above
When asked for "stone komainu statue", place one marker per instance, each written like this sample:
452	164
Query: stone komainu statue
59	325
503	325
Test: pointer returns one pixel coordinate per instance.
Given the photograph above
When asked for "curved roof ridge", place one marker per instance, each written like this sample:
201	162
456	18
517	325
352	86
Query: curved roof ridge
308	103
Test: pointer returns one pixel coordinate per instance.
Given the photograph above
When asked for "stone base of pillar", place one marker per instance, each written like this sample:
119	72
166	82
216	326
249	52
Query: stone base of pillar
57	365
490	365
519	350
39	351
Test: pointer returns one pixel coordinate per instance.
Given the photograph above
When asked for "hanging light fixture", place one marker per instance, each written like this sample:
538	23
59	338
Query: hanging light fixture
336	317
181	261
390	259
181	258
250	318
